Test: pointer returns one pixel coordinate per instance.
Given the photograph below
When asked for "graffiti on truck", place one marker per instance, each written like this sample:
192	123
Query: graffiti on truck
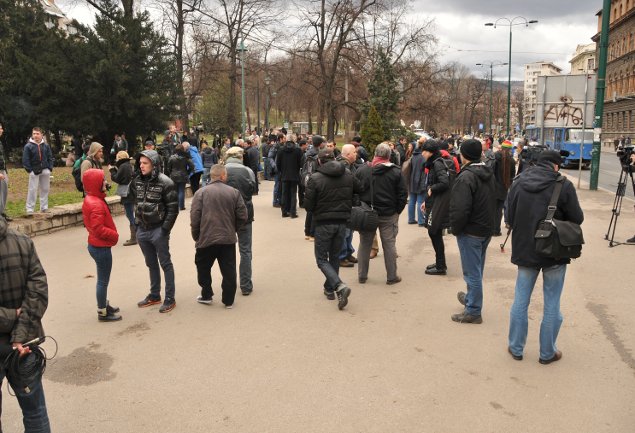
564	113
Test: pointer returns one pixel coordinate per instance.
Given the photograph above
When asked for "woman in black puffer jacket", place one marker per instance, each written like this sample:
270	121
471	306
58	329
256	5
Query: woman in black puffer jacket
122	173
180	167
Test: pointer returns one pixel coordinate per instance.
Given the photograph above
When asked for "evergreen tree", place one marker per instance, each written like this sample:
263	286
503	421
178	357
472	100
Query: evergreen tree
383	94
372	130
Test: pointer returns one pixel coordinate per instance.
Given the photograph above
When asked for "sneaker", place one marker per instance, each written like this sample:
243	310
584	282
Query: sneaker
246	292
329	295
467	318
436	271
343	293
395	281
556	357
229	307
628	241
352	259
294	215
168	305
346	264
104	315
433	265
148	301
111	309
461	297
202	300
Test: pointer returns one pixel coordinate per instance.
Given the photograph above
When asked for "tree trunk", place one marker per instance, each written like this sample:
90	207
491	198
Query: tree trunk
180	97
231	106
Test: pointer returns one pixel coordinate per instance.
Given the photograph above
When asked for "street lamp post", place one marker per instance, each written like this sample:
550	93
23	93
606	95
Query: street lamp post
491	84
516	21
242	50
267	83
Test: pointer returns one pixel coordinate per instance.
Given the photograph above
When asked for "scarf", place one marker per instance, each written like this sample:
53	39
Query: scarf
377	160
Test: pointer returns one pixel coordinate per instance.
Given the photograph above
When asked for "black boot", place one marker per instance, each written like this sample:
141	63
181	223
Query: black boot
103	315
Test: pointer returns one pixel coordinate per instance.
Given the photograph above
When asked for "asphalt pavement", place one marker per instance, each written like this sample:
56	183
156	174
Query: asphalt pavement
285	359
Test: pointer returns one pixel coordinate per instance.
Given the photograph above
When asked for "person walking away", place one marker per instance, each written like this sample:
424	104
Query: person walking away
504	172
23	301
217	213
472	219
289	162
37	160
417	185
348	159
252	160
122	173
209	158
102	236
156	210
197	161
329	195
527	203
440	173
180	168
383	186
242	178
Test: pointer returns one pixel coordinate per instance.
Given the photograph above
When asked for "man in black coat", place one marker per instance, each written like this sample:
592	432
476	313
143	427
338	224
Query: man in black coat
472	218
329	195
527	204
384	185
289	162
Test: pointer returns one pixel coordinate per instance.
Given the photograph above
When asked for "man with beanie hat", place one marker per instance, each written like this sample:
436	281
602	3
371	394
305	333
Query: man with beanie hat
329	195
527	203
472	219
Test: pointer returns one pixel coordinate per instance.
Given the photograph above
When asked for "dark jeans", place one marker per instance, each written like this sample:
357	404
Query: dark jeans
347	245
180	191
155	246
309	226
195	181
289	197
204	260
277	190
328	243
300	195
244	247
439	247
129	208
267	164
103	259
33	404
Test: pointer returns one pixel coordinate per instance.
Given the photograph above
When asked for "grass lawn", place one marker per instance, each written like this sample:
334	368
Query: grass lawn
62	190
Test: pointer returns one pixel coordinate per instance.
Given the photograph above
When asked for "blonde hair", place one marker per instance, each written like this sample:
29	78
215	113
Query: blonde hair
122	154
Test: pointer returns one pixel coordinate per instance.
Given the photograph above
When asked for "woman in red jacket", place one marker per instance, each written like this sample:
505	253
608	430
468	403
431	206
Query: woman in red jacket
102	235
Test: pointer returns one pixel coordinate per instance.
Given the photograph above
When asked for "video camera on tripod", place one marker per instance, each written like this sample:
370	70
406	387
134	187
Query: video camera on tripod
532	151
625	155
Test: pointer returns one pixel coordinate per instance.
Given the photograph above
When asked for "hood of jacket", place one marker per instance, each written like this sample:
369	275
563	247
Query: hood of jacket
311	152
207	150
234	160
417	150
94	148
154	158
538	178
382	168
93	181
289	146
480	170
332	169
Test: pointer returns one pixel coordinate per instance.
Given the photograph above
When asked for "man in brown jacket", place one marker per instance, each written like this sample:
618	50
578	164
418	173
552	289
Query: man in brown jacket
217	213
23	301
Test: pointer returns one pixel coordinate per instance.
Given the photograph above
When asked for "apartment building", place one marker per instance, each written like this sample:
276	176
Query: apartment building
532	72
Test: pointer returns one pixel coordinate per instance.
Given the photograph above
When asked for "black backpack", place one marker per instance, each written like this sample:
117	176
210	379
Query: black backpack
77	173
308	168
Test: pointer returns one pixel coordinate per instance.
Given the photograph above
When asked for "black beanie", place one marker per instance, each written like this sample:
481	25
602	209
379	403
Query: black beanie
431	146
472	150
317	140
552	156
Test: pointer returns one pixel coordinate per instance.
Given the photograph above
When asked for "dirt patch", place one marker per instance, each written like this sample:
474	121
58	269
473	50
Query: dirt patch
138	328
84	366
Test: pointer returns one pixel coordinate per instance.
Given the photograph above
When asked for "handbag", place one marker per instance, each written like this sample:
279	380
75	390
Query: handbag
122	190
364	218
557	239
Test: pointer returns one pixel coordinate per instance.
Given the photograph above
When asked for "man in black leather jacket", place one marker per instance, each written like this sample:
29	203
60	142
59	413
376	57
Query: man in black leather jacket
156	209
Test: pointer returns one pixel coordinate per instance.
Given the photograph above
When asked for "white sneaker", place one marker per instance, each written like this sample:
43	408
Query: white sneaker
202	300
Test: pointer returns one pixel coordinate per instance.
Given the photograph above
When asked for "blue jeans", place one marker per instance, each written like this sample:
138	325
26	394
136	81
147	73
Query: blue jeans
552	282
415	200
155	246
103	259
244	247
129	208
277	190
33	404
328	243
180	191
205	179
347	245
473	250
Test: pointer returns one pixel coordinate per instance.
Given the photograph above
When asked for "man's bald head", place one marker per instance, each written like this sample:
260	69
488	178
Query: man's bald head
349	152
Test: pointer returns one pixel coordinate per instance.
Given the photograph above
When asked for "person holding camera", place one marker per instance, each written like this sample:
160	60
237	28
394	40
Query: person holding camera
527	203
631	169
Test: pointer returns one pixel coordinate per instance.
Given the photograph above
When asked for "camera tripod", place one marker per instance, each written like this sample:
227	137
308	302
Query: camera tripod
627	171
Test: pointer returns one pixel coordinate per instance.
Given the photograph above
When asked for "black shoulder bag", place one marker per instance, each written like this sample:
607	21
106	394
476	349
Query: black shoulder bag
558	239
364	218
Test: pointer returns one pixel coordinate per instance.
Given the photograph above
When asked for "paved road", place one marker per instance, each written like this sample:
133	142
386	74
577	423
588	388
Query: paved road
286	360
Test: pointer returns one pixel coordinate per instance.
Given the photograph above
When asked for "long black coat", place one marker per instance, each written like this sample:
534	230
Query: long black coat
289	162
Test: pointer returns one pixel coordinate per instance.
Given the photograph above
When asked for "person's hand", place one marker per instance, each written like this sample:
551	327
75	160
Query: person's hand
423	206
633	158
22	350
429	192
2	176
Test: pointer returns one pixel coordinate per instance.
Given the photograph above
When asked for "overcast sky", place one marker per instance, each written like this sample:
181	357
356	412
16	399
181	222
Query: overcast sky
463	37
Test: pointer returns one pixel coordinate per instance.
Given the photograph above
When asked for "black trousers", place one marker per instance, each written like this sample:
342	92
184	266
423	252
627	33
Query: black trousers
226	256
195	182
289	197
439	247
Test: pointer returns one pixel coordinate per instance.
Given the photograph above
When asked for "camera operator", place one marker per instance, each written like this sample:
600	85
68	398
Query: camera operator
630	170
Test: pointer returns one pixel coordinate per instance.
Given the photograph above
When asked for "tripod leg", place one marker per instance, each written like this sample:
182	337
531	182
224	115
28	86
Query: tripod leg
617	206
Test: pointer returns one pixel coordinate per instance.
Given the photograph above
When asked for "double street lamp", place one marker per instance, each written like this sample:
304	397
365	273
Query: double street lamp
491	83
506	22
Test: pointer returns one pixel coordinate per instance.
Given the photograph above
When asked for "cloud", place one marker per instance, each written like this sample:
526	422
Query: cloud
535	9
